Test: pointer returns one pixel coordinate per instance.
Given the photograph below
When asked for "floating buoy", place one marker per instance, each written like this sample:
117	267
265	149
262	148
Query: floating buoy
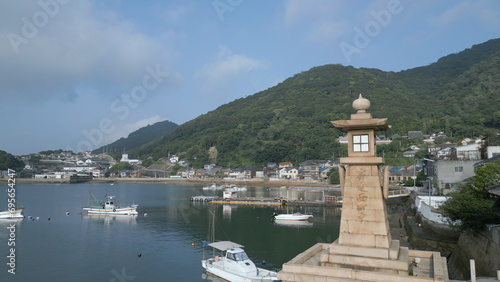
139	255
192	245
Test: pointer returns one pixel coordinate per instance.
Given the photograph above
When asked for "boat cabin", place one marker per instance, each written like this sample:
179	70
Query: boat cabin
237	261
108	204
236	254
228	194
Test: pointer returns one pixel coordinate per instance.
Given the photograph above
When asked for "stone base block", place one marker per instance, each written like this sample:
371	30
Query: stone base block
399	266
307	266
391	253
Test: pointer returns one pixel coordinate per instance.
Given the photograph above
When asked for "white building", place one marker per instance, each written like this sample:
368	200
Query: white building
492	151
125	159
288	173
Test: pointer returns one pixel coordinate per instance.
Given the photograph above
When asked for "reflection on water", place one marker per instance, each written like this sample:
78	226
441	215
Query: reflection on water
74	246
109	219
292	223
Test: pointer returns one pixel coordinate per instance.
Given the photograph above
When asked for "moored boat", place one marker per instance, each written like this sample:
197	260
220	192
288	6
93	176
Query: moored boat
108	207
17	213
292	216
234	188
234	264
231	263
213	187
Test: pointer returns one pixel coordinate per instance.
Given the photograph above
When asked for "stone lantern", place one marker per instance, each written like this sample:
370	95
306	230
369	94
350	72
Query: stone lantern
364	250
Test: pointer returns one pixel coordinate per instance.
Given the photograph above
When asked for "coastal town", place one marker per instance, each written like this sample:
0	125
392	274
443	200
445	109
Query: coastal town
443	166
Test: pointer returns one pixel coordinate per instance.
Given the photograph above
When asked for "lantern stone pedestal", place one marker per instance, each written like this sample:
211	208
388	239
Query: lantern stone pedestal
364	250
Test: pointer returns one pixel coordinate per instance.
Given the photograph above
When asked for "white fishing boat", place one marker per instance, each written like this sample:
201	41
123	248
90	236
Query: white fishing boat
213	187
234	188
17	213
231	263
292	216
108	207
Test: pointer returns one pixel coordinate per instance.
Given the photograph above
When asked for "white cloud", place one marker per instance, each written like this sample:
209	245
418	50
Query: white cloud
326	30
76	47
297	11
228	67
481	11
322	20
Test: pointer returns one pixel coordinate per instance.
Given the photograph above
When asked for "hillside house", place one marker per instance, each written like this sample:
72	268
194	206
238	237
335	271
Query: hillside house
415	134
409	154
441	151
125	159
288	173
238	173
401	173
467	152
200	173
323	172
285	164
252	171
446	175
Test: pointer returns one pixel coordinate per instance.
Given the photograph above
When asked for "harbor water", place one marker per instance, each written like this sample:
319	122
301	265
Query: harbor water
162	243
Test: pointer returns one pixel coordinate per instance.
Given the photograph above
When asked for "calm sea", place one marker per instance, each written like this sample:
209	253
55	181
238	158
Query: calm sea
152	247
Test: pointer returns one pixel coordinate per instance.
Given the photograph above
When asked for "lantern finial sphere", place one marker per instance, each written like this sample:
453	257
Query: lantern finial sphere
361	104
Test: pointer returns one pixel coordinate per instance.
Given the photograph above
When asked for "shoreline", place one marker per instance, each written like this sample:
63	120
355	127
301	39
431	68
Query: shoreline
182	181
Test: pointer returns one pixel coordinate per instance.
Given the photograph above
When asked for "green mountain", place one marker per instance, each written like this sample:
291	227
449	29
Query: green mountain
139	137
8	161
458	94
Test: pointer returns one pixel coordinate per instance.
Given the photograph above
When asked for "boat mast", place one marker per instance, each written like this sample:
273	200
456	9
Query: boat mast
211	238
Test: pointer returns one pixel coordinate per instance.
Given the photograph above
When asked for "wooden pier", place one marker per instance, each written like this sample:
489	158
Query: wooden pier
251	201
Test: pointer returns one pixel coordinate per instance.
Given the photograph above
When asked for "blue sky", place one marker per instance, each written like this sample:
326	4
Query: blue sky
80	74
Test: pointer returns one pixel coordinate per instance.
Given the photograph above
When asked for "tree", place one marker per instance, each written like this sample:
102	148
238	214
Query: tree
147	162
418	180
175	169
333	174
486	176
121	166
9	161
470	207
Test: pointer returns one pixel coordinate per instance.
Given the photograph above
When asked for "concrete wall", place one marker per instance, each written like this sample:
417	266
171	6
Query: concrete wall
492	151
423	207
479	247
447	177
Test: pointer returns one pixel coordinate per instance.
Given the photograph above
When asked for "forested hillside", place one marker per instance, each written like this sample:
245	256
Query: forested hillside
8	161
458	94
138	138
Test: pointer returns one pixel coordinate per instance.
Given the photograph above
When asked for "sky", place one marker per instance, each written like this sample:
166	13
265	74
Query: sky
79	74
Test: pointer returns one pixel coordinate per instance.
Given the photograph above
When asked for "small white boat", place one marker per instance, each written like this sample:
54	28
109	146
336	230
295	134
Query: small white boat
17	213
234	188
213	187
108	207
292	216
234	264
231	263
